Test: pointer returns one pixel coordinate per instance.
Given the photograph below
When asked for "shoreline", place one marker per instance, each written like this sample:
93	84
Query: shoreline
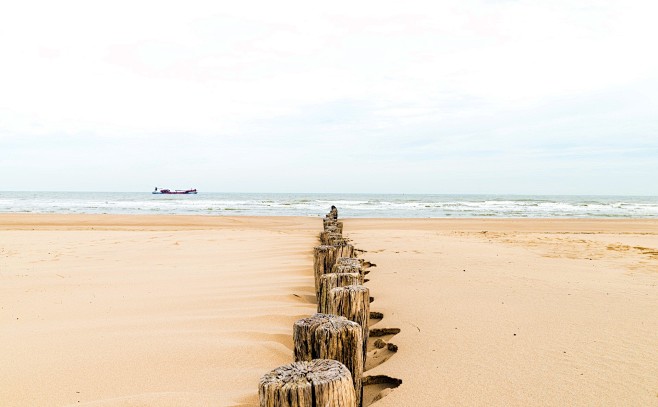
196	218
168	310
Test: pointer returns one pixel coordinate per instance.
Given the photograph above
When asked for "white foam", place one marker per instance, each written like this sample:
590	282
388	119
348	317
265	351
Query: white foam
405	206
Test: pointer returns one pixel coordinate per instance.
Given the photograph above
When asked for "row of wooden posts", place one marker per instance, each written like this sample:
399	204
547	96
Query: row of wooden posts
330	346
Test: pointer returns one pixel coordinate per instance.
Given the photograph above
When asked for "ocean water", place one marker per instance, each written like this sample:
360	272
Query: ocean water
349	205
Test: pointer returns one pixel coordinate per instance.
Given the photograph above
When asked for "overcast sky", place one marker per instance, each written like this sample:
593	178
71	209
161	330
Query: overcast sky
523	97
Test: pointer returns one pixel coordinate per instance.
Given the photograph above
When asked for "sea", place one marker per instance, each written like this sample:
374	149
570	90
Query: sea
316	204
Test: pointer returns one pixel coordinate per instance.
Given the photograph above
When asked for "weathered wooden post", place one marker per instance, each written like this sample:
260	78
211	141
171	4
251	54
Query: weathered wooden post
351	265
334	337
330	237
339	226
303	335
317	383
324	257
353	303
344	249
347	268
328	223
352	261
336	239
332	228
330	281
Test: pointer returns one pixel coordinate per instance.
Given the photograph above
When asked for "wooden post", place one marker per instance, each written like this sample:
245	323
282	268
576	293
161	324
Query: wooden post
347	268
325	336
303	335
327	223
329	237
333	239
344	250
349	261
318	383
332	228
324	257
336	239
339	226
353	303
330	281
351	265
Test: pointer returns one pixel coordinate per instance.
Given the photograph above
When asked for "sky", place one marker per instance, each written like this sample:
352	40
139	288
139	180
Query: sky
495	97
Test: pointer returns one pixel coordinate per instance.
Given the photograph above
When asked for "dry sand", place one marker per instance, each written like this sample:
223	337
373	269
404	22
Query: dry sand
516	312
179	310
148	311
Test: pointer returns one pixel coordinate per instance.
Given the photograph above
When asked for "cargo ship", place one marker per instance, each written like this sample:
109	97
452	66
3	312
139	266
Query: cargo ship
174	192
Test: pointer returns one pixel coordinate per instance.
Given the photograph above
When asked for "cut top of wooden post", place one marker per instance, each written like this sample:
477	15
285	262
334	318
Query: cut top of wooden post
318	383
350	261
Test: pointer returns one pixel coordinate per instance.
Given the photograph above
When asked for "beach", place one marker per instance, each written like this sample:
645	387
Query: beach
150	310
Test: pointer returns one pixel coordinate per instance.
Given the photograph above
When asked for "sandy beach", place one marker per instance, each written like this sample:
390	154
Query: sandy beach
105	310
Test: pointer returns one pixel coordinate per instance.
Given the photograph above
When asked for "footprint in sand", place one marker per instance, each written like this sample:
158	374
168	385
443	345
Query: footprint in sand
377	387
380	349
